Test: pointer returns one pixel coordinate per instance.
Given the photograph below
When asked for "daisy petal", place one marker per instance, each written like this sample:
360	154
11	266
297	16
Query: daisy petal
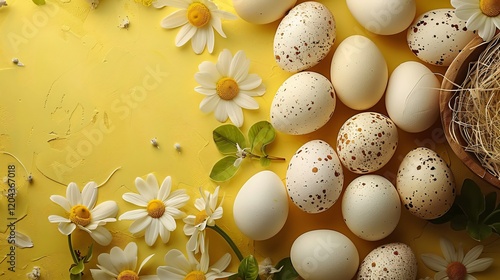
434	262
22	240
441	275
222	263
479	265
66	228
206	80
181	4
205	91
73	194
174	20
102	236
61	201
152	232
488	31
465	13
106	264
239	67
98	274
175	213
470	277
107	209
147	191
130	253
185	34
199	41
210	40
58	219
178	198
176	259
133	215
136	199
140	224
164	234
246	102
143	263
223	62
168	222
89	195
221	112
473	254
165	188
475	21
235	113
159	4
252	81
209	104
448	250
259	91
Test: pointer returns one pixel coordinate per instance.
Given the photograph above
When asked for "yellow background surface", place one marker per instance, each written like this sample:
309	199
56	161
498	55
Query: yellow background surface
92	95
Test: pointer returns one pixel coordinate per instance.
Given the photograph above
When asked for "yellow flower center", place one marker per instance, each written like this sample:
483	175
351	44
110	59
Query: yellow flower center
195	275
490	8
156	208
227	88
80	215
128	275
146	3
198	14
456	271
200	217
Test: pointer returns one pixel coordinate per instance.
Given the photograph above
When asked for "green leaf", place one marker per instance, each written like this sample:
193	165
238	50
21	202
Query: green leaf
490	201
87	257
260	135
77	268
224	169
459	222
287	271
478	232
493	218
265	161
75	276
226	137
471	200
496	227
249	268
39	2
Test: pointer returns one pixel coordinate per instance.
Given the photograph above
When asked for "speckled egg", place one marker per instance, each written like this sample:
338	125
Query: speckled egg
390	261
366	142
425	184
303	103
304	36
314	178
437	36
371	207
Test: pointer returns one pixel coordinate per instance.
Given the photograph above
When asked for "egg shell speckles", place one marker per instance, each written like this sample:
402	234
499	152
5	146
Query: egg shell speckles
304	103
391	261
371	207
314	178
425	184
437	36
366	142
304	36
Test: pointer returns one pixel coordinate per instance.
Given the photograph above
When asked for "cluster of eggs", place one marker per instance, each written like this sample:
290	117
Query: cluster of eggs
305	102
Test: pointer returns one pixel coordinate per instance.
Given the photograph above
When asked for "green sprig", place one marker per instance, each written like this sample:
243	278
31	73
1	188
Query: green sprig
231	142
474	212
78	265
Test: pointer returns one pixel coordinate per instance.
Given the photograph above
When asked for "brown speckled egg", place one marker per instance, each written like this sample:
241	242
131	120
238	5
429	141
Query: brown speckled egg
314	178
304	103
304	36
366	142
391	261
425	184
437	36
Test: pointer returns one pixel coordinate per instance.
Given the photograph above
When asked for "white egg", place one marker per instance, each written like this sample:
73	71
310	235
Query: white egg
412	97
358	72
262	11
383	17
314	178
371	207
437	36
261	206
303	103
324	255
425	184
390	261
366	142
304	36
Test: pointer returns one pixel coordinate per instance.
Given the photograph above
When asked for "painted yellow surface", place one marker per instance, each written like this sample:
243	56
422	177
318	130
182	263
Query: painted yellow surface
91	96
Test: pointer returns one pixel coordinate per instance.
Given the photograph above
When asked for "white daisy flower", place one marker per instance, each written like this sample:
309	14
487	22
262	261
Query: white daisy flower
121	265
195	224
481	15
161	208
228	87
198	19
181	268
455	265
83	214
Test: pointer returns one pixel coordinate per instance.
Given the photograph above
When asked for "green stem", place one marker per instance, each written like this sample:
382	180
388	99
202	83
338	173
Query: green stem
266	156
73	255
228	240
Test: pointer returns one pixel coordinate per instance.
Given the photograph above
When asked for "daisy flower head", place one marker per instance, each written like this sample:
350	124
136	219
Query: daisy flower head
195	225
198	19
155	3
160	208
121	265
84	214
481	15
454	265
266	269
181	268
228	87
